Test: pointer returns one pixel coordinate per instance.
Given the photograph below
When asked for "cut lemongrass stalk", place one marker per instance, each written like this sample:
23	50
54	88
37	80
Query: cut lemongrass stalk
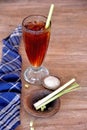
43	107
53	93
74	86
49	16
31	123
32	128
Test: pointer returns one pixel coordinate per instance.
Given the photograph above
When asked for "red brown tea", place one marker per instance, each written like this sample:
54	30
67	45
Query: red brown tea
36	39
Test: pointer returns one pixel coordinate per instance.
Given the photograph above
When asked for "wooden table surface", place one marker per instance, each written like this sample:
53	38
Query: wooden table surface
66	57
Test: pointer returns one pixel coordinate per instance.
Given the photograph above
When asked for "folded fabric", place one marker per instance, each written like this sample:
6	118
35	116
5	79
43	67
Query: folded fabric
10	82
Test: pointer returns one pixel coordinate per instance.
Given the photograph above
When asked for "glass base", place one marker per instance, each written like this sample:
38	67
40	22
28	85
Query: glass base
35	76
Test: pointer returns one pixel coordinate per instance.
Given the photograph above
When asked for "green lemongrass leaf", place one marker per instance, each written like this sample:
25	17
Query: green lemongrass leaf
71	88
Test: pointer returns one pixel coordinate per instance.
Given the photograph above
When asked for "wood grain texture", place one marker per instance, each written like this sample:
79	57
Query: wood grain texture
66	57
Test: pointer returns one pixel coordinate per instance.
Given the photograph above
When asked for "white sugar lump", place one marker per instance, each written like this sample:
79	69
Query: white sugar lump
51	82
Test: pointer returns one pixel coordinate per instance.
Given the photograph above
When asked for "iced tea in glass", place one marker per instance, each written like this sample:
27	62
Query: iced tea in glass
36	40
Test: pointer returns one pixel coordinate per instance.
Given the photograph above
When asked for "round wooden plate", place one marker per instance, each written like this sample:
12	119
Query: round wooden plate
35	95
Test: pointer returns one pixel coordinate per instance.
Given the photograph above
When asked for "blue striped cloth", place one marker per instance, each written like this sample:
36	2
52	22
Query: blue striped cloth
10	82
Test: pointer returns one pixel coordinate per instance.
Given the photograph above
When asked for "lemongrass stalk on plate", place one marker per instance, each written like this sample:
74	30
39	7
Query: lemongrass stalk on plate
74	86
53	93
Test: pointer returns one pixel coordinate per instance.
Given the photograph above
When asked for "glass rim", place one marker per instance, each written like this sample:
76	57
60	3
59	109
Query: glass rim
33	31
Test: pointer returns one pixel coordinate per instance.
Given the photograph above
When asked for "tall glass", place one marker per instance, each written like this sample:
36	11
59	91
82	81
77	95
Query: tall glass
36	40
